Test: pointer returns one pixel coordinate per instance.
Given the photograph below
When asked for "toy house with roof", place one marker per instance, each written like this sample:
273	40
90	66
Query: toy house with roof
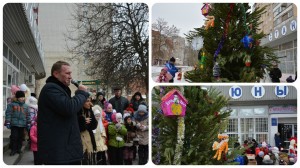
174	104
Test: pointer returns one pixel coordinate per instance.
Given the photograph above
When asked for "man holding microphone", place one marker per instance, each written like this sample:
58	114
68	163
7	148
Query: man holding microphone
59	141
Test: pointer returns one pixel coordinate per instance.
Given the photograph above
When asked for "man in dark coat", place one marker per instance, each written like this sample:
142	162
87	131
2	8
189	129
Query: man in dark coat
119	102
275	74
278	141
59	141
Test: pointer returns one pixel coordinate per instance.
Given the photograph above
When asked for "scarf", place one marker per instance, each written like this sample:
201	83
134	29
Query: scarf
100	125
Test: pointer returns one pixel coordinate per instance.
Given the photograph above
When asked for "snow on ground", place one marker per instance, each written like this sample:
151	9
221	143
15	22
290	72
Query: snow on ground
156	70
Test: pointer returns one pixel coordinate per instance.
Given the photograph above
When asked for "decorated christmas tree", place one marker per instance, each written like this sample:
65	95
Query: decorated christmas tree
231	50
191	137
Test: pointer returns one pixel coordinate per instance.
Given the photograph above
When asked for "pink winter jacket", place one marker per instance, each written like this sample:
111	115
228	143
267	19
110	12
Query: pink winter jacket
33	137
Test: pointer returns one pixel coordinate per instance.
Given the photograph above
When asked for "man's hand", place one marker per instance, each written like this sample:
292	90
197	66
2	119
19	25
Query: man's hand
82	87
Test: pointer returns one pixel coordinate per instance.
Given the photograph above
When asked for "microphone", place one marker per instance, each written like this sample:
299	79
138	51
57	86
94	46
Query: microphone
74	82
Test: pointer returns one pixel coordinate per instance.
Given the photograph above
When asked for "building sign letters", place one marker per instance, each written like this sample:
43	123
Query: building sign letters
282	109
236	92
278	33
258	91
281	91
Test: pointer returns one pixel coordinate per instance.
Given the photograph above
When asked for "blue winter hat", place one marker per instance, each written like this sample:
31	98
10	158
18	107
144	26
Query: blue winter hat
261	154
142	108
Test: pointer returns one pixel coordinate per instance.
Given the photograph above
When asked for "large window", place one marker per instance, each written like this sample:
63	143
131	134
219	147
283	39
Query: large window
287	57
232	125
4	98
249	123
4	73
12	71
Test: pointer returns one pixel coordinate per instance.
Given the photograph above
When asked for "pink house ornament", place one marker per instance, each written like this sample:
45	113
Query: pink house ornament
205	9
173	104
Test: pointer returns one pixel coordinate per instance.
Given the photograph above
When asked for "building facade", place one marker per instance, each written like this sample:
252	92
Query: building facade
55	22
280	24
178	50
23	54
259	112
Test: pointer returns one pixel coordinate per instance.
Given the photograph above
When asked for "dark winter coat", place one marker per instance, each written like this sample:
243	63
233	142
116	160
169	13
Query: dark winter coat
278	141
142	134
275	74
135	103
17	114
108	116
58	131
119	104
131	130
259	160
89	127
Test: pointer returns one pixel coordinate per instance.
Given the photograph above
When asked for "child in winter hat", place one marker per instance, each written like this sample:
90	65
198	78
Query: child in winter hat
33	140
14	89
129	148
27	92
126	115
116	131
97	110
164	76
23	87
16	115
100	136
108	108
117	118
141	113
130	109
267	160
275	151
33	108
20	94
141	117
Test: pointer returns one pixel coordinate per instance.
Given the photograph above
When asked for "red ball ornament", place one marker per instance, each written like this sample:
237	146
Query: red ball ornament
248	64
216	114
248	61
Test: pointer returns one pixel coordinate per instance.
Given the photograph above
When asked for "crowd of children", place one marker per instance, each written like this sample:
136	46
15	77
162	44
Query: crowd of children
106	135
264	154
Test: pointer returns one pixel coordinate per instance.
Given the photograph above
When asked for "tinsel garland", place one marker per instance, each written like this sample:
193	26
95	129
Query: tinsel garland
224	36
155	135
162	91
180	138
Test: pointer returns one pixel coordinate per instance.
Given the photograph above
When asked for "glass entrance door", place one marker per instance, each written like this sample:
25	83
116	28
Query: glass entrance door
286	132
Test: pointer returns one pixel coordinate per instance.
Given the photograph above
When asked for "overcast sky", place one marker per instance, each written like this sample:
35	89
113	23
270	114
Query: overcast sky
185	16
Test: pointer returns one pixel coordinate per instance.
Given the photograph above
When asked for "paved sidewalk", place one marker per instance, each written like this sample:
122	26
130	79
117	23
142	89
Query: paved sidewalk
7	159
26	157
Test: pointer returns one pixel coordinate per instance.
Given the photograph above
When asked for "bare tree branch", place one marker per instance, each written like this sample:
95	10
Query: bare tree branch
114	38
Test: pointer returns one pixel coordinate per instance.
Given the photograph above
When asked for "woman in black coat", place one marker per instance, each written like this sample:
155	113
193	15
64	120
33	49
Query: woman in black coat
87	123
136	100
100	100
